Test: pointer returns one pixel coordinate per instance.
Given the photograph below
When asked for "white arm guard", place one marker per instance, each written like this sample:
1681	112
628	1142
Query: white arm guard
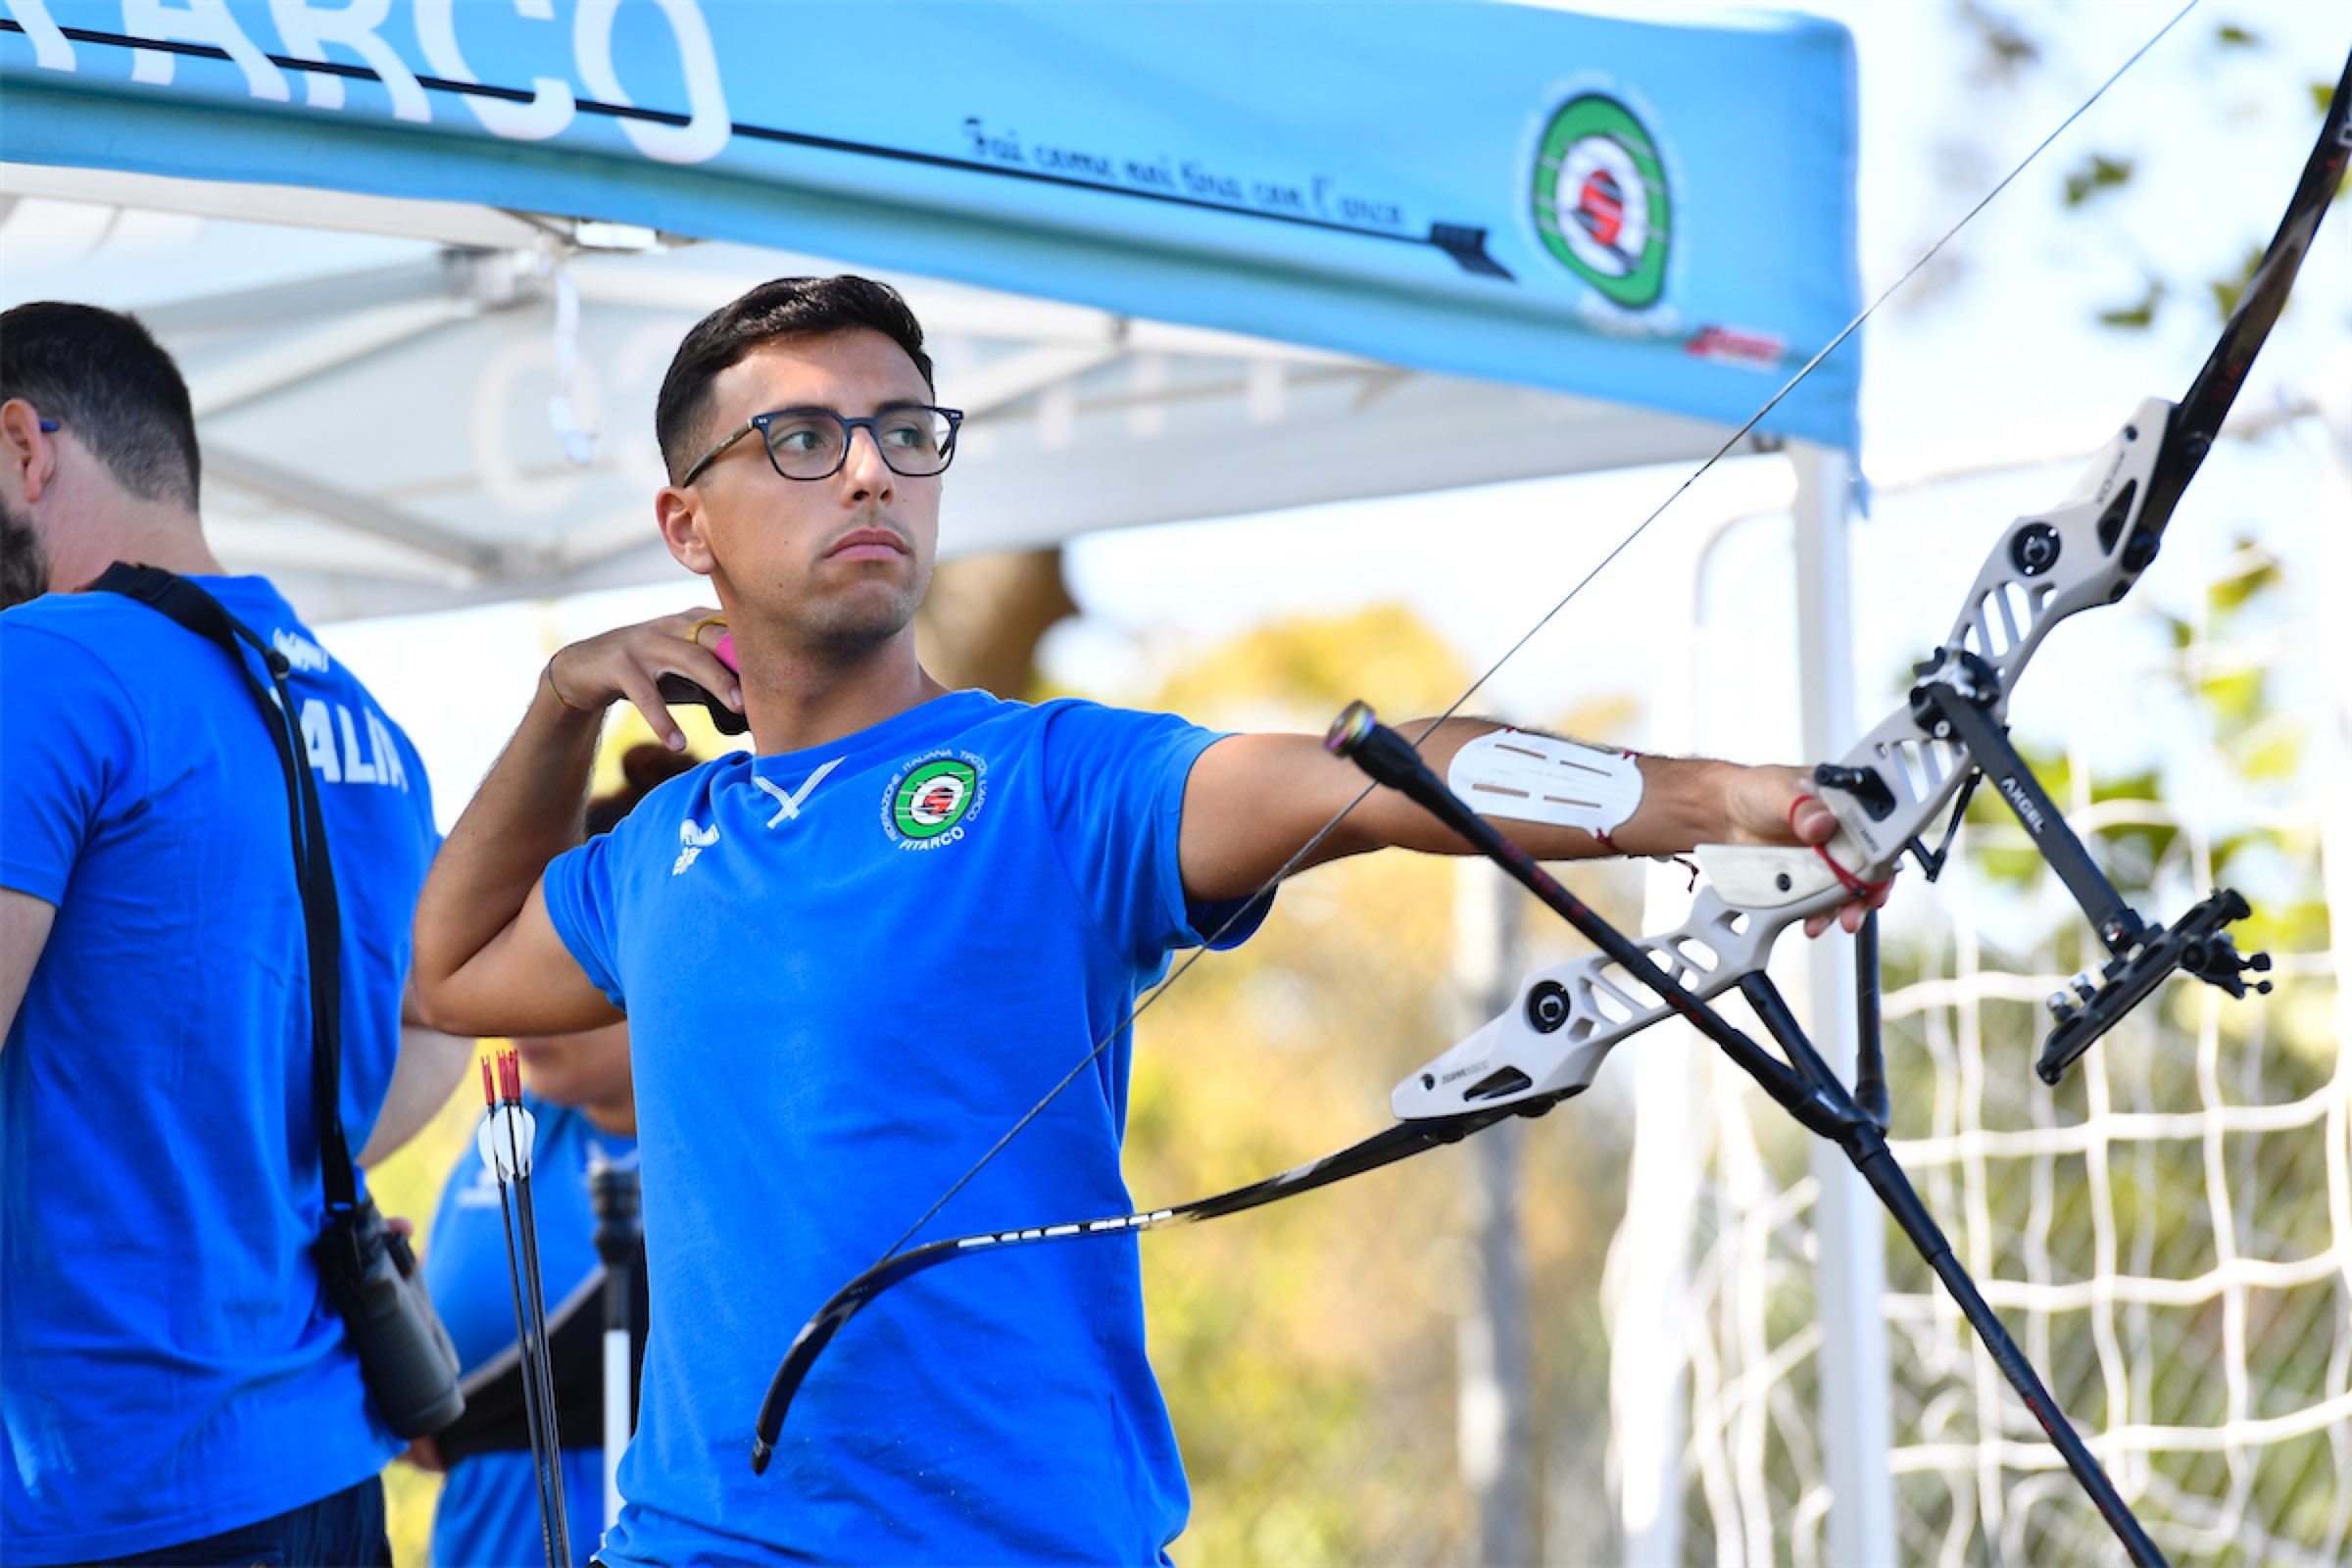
1539	778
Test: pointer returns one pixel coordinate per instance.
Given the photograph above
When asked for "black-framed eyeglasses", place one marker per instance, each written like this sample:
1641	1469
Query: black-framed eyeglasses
915	439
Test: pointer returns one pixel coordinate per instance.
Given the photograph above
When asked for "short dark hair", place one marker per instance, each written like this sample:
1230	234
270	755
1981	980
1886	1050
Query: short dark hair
788	307
105	377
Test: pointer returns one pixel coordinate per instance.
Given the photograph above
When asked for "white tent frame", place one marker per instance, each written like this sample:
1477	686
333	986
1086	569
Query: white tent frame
1027	369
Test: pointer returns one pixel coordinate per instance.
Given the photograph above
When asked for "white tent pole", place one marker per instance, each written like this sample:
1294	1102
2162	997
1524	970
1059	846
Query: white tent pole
2334	390
1645	1288
346	508
1495	1377
1856	1394
1647	1285
326	345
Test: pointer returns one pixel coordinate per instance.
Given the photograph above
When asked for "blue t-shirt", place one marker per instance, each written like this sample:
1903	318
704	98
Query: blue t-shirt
488	1512
847	971
174	1365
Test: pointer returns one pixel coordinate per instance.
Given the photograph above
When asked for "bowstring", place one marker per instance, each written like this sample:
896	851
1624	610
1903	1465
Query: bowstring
1265	889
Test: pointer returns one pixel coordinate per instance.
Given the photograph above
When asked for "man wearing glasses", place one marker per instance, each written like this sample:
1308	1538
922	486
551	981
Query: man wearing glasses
851	961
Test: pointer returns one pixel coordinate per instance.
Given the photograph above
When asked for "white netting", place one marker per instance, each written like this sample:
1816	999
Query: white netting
2167	1234
2191	1209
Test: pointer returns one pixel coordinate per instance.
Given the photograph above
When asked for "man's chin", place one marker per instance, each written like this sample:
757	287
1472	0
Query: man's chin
865	616
856	637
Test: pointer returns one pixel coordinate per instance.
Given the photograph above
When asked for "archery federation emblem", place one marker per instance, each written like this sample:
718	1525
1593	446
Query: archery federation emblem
1600	199
930	800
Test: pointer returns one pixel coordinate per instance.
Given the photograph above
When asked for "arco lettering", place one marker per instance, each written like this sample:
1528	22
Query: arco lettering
359	31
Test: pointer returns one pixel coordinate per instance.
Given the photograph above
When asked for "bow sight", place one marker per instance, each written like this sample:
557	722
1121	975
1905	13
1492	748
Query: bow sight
2142	954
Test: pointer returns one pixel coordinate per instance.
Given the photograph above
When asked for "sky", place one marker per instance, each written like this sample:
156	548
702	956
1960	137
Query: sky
1995	337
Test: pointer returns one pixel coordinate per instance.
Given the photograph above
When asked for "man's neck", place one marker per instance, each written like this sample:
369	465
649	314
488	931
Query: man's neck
150	535
796	701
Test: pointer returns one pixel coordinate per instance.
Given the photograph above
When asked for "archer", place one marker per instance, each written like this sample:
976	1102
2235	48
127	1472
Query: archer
850	958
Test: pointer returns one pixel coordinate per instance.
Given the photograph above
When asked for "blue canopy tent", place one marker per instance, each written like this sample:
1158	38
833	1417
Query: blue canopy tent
1353	250
1426	203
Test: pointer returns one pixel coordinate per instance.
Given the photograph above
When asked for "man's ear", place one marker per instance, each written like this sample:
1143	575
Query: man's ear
28	449
678	514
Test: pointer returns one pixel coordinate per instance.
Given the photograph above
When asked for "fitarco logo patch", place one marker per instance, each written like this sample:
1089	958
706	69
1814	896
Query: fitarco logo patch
1600	199
932	799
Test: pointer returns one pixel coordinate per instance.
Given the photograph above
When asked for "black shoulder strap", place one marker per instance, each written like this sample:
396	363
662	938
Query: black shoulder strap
314	874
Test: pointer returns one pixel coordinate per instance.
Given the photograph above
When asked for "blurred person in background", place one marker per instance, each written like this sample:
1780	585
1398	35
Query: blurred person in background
577	1089
177	1384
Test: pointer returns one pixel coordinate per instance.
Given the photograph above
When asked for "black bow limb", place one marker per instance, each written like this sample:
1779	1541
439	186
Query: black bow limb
1384	1148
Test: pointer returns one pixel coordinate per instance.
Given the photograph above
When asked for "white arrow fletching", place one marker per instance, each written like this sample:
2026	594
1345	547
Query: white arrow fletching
500	1153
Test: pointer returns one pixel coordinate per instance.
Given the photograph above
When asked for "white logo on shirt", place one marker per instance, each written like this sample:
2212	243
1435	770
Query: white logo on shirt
298	652
368	754
694	841
482	1191
788	806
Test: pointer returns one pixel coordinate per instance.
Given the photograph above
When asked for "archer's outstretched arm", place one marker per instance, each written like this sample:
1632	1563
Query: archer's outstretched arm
488	959
1253	800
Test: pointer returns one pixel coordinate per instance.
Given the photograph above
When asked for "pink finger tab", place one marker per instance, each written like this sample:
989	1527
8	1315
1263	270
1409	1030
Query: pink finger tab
725	648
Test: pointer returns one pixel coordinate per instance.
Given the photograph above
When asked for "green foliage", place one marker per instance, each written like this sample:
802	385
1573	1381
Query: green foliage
2004	53
2005	49
2138	315
2261	745
2096	174
2234	696
2231	697
2129	850
1308	669
2226	291
2230	595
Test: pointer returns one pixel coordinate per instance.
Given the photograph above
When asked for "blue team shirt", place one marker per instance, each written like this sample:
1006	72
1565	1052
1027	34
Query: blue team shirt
488	1512
847	971
174	1365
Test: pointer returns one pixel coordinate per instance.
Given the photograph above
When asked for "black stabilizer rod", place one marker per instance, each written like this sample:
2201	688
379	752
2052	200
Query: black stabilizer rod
1864	1142
1806	1088
1887	1179
1870	1057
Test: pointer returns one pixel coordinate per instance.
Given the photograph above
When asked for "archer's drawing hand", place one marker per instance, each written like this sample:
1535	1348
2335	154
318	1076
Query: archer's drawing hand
1777	805
629	662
